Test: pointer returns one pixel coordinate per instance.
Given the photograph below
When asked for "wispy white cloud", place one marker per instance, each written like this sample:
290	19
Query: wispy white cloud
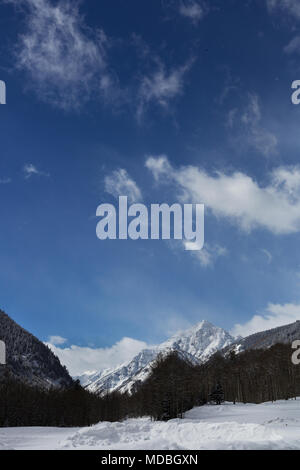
56	340
171	323
267	254
194	10
65	61
287	180
293	46
29	170
247	124
208	255
79	359
291	7
119	183
5	180
275	315
158	165
231	84
231	117
160	87
238	197
287	8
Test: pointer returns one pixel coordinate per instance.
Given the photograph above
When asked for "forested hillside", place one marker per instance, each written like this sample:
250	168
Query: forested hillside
28	359
173	387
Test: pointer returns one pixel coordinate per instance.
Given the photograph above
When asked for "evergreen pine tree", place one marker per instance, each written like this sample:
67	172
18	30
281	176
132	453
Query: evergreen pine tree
217	394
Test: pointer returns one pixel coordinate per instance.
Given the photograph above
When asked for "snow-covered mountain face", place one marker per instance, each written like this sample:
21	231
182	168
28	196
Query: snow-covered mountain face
122	378
265	339
196	345
200	341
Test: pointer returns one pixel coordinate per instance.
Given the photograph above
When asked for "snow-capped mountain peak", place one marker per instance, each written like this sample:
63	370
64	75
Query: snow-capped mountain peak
201	340
195	344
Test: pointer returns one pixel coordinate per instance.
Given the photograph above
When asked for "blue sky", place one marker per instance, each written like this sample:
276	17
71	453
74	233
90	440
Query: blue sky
164	101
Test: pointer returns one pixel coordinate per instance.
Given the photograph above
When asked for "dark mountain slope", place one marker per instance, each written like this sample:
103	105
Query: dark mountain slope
28	359
265	339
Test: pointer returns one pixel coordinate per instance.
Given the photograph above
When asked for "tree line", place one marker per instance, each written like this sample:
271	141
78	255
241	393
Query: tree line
173	387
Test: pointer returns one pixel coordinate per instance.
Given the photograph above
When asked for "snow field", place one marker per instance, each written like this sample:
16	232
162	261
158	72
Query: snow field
241	426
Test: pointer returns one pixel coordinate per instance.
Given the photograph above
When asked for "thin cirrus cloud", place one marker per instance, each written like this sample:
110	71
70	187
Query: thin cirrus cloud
208	255
160	87
194	10
119	183
248	128
5	180
237	197
79	359
267	254
67	63
64	61
30	170
291	7
274	315
293	46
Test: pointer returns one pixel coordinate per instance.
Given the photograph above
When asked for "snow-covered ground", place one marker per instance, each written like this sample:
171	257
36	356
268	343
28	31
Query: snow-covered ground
266	426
